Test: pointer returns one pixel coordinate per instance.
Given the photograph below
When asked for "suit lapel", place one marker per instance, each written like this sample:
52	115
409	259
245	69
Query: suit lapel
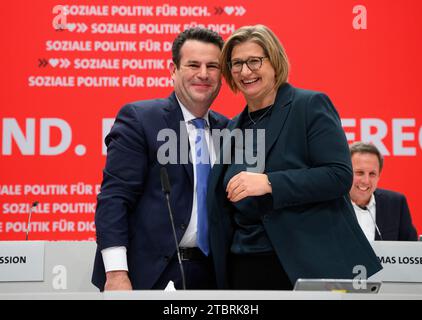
379	207
278	116
215	124
220	165
173	116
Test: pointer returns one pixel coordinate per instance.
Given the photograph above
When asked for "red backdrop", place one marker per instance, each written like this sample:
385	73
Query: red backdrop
64	77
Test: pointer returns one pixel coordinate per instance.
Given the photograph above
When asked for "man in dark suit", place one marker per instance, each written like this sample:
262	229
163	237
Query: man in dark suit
136	248
382	214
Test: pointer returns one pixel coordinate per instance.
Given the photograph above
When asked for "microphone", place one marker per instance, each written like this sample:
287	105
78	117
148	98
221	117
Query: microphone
34	204
165	186
165	182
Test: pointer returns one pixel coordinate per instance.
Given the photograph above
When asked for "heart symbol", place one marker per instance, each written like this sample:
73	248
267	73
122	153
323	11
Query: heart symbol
71	26
53	62
228	10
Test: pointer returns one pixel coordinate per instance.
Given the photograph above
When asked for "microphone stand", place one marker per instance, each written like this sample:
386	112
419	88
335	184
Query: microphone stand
34	204
165	183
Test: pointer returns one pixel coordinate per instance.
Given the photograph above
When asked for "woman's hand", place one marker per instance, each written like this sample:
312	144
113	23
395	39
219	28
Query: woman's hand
247	184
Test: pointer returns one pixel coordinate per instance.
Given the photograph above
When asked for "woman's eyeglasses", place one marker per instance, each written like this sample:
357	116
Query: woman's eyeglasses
253	63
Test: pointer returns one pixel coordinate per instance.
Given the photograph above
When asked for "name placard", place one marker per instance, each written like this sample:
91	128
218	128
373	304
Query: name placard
402	261
21	261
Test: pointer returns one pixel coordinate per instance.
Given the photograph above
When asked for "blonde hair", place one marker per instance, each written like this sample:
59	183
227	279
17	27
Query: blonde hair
268	41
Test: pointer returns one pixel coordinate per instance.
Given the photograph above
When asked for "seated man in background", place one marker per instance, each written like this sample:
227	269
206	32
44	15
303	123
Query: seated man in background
382	214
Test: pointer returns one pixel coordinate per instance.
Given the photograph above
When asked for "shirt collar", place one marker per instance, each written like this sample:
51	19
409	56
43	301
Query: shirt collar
188	116
370	205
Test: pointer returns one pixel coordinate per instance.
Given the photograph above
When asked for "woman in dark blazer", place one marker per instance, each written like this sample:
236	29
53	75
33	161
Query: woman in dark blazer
291	217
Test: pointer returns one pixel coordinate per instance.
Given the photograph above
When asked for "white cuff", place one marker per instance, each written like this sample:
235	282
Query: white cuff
115	259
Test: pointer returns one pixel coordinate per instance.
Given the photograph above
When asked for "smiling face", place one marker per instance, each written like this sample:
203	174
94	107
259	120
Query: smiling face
366	174
258	87
197	81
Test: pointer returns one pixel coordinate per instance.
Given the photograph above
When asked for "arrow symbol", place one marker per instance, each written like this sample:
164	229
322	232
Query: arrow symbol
64	63
218	10
42	63
82	27
240	11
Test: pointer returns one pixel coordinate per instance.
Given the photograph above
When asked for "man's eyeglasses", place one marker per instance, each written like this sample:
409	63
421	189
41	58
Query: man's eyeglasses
253	63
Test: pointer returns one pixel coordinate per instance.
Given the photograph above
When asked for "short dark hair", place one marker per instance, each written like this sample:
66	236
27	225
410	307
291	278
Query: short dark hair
197	33
362	147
